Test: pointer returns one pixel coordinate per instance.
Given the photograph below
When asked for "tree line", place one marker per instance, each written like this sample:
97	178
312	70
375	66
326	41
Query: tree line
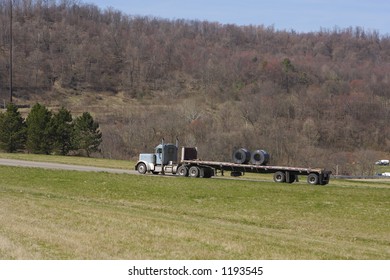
45	132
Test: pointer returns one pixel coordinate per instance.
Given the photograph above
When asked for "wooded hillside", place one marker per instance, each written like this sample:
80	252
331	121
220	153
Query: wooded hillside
316	99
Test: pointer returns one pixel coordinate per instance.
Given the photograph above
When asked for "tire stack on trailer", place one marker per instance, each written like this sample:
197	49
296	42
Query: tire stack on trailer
241	156
260	157
244	156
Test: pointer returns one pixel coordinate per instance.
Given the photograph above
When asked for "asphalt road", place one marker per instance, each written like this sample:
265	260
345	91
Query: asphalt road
60	166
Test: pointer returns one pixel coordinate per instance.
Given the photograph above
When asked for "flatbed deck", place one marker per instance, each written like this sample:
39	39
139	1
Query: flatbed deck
281	173
229	166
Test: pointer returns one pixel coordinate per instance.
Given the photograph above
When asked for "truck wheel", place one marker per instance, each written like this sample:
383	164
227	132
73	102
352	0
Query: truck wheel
182	170
194	172
141	168
279	177
313	179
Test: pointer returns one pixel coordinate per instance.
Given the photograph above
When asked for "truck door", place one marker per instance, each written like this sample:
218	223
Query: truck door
159	156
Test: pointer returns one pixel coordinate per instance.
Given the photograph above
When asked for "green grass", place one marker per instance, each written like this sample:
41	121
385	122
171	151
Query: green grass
382	169
49	214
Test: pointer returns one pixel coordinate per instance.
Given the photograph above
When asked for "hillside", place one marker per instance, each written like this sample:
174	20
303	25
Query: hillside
317	99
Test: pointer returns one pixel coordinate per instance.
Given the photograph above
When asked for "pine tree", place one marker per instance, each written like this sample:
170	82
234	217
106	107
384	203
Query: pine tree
87	134
39	133
61	126
12	130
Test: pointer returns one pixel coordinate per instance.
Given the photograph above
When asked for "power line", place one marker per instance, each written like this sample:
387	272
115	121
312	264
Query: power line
10	52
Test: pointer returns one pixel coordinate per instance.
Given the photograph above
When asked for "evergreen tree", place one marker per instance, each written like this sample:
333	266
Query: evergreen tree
12	130
87	134
62	131
39	133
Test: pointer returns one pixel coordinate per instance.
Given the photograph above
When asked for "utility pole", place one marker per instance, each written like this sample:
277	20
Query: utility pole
10	51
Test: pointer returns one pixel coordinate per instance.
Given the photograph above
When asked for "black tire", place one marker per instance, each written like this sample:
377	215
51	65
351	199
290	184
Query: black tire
313	179
259	157
279	177
182	170
141	168
194	171
241	156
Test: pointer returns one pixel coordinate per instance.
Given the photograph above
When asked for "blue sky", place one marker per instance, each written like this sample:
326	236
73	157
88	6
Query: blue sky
299	15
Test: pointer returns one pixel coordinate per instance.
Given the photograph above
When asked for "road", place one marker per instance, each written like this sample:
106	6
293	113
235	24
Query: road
61	166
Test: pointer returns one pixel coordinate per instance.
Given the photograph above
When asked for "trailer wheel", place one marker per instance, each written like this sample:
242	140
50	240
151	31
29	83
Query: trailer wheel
182	170
313	179
141	168
194	172
279	177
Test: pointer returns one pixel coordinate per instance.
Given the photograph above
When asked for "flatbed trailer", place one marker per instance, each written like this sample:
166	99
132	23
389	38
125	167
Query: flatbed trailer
164	161
282	174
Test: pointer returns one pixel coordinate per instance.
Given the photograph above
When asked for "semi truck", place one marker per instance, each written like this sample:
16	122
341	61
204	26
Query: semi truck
164	160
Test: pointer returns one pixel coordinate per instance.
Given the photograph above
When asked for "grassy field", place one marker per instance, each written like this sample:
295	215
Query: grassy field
79	215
